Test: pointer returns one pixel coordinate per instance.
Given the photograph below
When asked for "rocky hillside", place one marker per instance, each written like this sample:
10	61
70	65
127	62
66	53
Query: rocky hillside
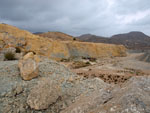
132	40
93	38
57	36
144	57
16	38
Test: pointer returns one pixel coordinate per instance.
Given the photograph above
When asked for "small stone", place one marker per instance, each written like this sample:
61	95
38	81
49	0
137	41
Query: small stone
19	90
70	79
3	94
9	94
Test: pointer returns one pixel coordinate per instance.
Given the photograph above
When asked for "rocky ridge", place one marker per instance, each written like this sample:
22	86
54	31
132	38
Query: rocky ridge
13	37
56	36
133	40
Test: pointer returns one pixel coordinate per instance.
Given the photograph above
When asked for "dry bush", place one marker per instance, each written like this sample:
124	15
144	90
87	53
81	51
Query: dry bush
9	56
79	64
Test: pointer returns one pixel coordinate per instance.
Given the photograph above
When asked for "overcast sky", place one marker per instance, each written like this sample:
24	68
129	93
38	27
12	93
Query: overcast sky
76	17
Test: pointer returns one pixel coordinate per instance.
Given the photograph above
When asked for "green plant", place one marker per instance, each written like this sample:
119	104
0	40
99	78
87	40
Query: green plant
9	56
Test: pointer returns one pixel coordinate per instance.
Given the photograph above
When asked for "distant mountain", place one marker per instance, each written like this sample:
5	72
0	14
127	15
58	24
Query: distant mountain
56	36
93	38
131	40
36	33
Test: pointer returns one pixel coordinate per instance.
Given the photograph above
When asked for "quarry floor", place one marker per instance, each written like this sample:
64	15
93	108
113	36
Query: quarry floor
113	70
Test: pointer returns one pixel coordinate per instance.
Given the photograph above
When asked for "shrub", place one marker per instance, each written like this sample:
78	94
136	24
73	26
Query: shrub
9	56
92	59
80	64
74	39
87	63
18	50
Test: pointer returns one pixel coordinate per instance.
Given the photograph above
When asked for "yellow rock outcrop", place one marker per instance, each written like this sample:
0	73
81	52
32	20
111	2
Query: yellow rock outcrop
27	42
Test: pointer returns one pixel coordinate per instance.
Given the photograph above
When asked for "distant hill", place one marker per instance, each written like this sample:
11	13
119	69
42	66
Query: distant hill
56	36
92	38
36	33
131	40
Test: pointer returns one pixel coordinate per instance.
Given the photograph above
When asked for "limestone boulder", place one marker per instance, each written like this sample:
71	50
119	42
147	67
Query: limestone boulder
28	55
44	94
28	69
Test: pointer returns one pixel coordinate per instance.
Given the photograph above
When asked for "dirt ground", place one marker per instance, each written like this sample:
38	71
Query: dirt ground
113	70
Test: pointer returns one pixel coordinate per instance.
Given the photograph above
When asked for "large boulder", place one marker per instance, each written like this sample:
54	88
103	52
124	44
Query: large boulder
87	102
132	97
44	94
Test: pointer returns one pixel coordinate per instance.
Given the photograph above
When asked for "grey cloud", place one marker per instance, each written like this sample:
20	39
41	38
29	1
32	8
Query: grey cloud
99	17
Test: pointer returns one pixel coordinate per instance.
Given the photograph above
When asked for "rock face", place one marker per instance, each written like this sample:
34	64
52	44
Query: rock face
44	94
132	97
14	37
28	69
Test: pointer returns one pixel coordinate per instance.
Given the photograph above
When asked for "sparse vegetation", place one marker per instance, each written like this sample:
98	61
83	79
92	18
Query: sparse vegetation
9	56
64	60
74	39
90	59
79	64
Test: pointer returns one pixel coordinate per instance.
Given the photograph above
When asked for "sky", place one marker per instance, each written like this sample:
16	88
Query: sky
77	17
